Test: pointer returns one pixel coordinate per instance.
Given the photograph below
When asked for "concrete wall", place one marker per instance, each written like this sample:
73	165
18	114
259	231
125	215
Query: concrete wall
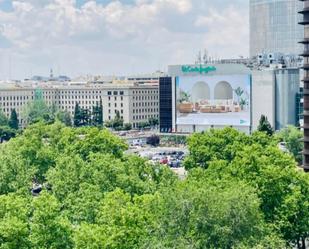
263	96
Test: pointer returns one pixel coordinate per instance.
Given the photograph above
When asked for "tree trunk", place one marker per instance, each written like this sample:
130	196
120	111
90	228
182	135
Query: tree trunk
303	240
298	244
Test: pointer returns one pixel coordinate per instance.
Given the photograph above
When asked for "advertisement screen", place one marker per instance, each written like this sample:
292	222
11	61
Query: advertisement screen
222	100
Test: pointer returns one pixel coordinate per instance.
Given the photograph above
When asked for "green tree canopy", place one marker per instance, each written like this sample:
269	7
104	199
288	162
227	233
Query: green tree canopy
13	121
37	110
3	119
241	191
265	126
64	117
292	138
281	186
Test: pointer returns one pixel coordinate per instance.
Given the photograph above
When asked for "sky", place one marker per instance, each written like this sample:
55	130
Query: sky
116	37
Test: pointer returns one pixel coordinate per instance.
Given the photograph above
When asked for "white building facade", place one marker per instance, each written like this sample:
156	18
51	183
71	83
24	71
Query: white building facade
135	103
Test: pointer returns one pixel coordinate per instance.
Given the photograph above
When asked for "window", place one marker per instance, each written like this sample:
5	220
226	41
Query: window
115	92
115	104
121	92
109	93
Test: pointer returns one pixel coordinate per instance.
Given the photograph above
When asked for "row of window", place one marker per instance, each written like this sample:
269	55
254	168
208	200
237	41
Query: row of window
115	98
139	117
146	92
115	93
146	97
15	98
110	111
78	97
110	118
115	104
146	110
145	104
77	92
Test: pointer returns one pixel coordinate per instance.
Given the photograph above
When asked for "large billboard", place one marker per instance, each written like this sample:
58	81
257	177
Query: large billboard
213	100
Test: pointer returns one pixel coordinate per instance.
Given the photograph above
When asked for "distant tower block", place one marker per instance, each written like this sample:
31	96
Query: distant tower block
305	54
51	73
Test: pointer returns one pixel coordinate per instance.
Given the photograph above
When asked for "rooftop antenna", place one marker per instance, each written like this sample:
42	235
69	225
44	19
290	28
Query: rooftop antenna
199	58
51	73
10	67
205	57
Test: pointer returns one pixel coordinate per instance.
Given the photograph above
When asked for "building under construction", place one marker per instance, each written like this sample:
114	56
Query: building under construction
305	54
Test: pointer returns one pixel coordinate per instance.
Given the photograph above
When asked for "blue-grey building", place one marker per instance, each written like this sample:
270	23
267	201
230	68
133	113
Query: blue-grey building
274	26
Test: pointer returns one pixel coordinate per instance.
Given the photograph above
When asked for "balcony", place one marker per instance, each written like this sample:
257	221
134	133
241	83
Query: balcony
304	11
306	166
306	79
305	53
306	91
305	66
305	41
305	126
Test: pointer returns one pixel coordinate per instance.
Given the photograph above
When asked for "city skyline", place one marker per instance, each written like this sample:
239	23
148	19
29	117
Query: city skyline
116	37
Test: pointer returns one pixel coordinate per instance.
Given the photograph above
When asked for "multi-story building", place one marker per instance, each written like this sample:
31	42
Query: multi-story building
273	26
135	103
305	54
201	96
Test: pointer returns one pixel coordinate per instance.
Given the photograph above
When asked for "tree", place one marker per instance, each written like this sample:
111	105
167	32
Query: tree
265	126
240	192
14	227
85	117
292	137
143	125
6	133
3	119
256	159
153	140
37	110
116	123
48	228
153	121
13	122
64	117
97	114
77	116
127	126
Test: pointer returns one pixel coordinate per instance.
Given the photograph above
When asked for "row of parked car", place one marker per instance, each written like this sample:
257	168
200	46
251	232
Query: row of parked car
173	159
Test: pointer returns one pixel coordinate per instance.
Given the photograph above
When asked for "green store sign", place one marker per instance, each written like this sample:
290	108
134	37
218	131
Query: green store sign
198	69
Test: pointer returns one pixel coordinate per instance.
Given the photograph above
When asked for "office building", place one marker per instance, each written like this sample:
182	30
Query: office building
305	54
274	26
274	94
208	96
166	104
232	94
135	103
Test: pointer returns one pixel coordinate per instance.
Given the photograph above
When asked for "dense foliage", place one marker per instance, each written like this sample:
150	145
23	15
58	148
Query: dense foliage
241	192
292	137
256	160
265	126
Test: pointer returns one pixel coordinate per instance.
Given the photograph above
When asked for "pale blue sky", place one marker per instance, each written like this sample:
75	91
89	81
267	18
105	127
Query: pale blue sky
116	37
